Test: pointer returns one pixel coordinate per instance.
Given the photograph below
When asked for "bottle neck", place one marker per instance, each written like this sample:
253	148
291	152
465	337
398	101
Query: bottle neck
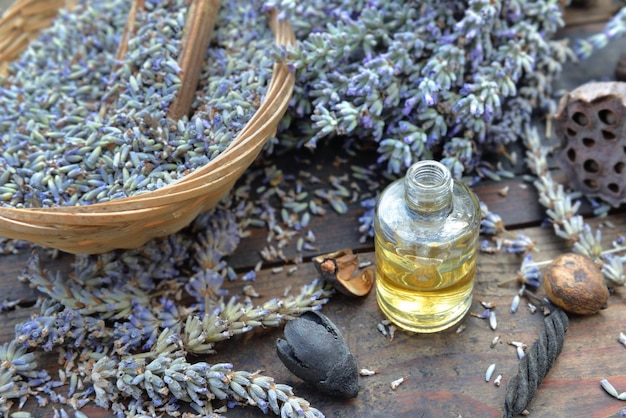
428	190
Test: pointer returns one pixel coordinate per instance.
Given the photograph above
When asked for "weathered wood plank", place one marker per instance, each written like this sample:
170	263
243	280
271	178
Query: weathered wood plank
445	371
589	11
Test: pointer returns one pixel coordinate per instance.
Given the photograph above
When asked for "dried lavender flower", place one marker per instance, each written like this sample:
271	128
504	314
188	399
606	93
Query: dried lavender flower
491	223
520	245
613	269
56	325
588	243
529	273
98	127
16	364
455	79
614	28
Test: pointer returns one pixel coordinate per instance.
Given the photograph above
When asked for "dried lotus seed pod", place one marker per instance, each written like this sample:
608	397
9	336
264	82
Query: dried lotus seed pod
590	124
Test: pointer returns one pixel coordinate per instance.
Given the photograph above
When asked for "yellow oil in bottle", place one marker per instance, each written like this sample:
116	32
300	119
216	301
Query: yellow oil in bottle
426	233
425	294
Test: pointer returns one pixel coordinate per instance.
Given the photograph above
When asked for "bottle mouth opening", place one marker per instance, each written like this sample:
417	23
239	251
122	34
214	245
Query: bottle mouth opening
428	188
429	174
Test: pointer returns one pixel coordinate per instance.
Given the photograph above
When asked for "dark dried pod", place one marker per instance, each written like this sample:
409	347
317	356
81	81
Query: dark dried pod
339	268
316	352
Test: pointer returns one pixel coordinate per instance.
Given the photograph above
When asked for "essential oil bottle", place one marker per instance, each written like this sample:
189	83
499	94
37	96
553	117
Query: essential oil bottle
426	236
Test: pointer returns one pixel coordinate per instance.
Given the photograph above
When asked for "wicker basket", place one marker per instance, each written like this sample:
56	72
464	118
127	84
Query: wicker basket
132	221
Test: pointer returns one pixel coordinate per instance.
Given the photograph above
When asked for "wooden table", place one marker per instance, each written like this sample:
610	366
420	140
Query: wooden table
444	372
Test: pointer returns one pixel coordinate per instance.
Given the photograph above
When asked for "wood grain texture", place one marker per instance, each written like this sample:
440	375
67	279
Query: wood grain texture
445	371
589	11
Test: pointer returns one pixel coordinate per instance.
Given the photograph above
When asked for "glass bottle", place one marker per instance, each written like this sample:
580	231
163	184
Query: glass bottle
426	235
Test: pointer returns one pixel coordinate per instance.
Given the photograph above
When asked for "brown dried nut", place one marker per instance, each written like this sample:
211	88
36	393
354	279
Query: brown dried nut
339	267
574	283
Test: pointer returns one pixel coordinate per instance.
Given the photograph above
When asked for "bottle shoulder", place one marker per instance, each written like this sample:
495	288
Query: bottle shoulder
396	222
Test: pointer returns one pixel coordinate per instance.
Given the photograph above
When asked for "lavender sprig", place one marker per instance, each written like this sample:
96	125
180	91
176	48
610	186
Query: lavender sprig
233	317
164	373
56	325
106	302
15	365
614	28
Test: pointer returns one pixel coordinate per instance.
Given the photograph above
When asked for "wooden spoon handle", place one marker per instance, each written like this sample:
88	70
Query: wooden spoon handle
199	24
122	48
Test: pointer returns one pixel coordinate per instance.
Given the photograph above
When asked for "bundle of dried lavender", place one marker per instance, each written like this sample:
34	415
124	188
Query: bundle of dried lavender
450	79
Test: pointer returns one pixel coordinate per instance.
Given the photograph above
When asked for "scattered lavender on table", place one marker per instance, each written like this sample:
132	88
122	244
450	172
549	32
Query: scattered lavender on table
492	224
122	312
138	315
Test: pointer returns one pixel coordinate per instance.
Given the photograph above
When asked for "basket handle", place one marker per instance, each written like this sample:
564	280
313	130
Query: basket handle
201	17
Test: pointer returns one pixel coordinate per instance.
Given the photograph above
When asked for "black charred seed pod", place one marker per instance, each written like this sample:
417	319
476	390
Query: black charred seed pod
316	352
